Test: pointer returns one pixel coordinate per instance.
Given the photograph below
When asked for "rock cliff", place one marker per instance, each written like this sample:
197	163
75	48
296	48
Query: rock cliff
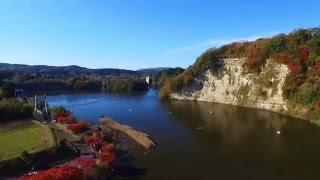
231	85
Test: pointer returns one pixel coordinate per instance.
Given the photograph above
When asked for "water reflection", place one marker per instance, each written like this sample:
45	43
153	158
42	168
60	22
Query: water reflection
247	138
232	121
199	140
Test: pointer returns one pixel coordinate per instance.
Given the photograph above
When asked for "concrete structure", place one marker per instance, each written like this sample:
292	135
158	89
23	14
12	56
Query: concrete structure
38	99
18	93
149	80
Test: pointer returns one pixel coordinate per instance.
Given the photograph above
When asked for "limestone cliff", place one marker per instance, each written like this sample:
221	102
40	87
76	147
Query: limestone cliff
230	85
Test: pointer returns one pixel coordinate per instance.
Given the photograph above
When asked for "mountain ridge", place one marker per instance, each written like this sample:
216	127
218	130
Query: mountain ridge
73	69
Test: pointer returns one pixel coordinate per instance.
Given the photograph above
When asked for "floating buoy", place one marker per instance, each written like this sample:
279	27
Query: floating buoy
130	110
278	132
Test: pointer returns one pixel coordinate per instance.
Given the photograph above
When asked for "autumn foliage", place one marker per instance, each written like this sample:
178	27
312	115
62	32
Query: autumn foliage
50	174
86	164
315	69
317	104
58	114
284	58
89	140
96	137
104	150
65	172
106	156
59	111
68	172
304	53
82	167
77	127
293	66
69	119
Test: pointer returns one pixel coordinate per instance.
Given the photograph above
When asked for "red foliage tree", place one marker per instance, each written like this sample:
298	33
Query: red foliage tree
49	174
68	172
96	138
107	147
86	164
106	155
97	135
65	172
283	58
77	127
89	140
315	69
68	119
304	54
250	59
293	66
57	114
317	105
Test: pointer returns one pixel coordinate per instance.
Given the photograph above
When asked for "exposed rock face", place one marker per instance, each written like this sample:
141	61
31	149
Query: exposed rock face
230	85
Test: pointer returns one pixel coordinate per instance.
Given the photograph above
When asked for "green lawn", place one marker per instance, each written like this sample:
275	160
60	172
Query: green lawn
30	136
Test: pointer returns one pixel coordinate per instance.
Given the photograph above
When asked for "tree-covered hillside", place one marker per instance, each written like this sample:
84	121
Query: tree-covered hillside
298	50
159	78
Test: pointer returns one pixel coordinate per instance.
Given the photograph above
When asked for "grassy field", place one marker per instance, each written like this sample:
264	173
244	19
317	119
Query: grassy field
30	136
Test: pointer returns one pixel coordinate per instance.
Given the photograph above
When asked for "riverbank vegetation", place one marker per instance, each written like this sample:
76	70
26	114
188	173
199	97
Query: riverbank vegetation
159	78
298	50
83	83
208	60
125	84
13	109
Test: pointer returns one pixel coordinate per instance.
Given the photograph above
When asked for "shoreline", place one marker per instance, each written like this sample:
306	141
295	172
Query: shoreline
126	149
248	106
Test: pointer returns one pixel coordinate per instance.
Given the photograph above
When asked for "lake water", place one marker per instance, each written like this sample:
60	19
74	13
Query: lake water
200	140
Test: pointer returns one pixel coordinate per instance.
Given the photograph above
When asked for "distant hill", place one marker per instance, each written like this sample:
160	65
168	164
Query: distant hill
73	69
63	70
152	70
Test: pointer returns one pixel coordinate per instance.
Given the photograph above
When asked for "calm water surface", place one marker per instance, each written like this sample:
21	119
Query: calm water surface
199	140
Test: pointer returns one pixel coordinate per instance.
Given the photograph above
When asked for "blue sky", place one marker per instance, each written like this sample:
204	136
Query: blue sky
135	34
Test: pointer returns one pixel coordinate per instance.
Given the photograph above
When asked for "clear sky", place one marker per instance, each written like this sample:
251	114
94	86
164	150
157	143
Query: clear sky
135	34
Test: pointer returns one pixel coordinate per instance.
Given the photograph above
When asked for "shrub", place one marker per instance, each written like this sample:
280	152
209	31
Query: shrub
317	104
83	83
125	84
89	140
77	127
160	77
69	119
68	172
293	66
283	58
106	156
11	109
50	174
59	111
307	93
87	164
315	69
7	90
304	54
